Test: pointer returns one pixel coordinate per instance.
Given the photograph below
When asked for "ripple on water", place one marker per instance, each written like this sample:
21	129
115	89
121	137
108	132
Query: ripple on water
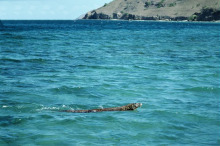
14	120
204	89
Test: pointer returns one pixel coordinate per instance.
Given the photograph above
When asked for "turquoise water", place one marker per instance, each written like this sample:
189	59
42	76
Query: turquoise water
172	68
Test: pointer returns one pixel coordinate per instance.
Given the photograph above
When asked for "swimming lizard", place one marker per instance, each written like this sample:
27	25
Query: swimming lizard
128	107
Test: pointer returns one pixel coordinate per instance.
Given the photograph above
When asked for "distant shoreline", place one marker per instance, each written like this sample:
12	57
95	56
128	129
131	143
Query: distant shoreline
148	20
116	20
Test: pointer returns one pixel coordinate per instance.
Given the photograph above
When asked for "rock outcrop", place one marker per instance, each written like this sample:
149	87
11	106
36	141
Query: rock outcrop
175	10
206	14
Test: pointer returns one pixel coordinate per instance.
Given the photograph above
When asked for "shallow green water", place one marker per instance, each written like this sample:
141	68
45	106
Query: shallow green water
48	66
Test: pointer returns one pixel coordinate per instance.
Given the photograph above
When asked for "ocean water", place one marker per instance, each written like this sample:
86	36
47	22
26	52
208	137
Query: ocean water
172	68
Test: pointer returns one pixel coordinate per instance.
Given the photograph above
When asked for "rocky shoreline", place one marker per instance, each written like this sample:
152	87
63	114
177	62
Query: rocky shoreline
119	16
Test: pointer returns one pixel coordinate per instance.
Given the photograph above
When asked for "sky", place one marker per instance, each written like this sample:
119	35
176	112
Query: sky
47	9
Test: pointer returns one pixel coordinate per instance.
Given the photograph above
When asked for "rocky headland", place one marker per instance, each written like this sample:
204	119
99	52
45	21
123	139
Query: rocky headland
170	10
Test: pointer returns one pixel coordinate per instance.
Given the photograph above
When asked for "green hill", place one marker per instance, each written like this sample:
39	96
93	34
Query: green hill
194	10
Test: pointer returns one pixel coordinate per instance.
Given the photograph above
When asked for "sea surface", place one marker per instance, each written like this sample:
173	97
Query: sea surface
172	68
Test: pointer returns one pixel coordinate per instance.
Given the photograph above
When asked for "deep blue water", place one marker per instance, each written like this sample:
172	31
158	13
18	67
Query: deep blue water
172	68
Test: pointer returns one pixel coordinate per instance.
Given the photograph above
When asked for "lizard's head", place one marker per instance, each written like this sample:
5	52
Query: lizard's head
133	106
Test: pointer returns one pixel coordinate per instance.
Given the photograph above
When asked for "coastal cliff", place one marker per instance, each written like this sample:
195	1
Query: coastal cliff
174	10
